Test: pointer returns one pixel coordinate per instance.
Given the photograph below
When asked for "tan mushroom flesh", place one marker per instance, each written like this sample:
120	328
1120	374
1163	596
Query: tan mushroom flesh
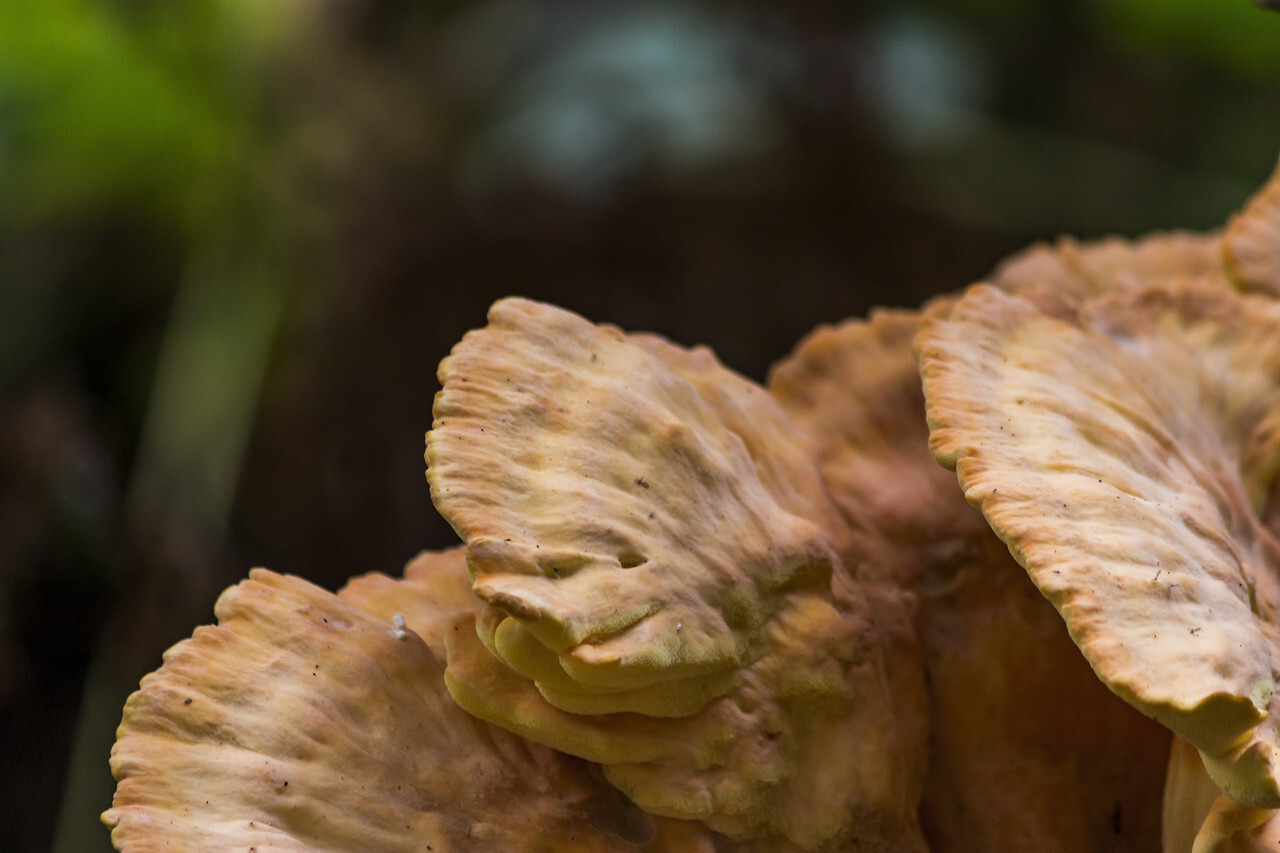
301	722
1199	818
1123	454
1252	242
664	587
1073	271
1010	695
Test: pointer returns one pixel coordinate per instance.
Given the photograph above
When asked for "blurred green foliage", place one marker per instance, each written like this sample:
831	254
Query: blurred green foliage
1231	35
132	137
98	109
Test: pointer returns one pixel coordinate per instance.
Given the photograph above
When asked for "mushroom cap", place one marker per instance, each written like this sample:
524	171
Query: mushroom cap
619	530
854	393
1230	827
1251	253
1246	255
795	771
1122	455
1251	246
664	587
784	465
432	596
1199	818
1010	696
301	722
1073	271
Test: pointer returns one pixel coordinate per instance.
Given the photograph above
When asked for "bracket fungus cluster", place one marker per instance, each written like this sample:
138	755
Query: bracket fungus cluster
691	613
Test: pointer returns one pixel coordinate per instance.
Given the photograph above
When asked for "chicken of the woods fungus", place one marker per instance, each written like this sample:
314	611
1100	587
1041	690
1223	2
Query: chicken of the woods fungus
691	613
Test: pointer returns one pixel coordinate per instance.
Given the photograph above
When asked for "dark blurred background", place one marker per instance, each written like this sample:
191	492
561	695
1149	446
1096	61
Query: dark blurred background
236	236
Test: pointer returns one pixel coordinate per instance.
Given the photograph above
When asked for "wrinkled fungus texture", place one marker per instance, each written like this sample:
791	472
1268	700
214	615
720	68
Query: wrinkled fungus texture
1252	242
604	504
1122	455
664	586
301	722
693	614
1071	272
1199	818
433	595
1010	696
